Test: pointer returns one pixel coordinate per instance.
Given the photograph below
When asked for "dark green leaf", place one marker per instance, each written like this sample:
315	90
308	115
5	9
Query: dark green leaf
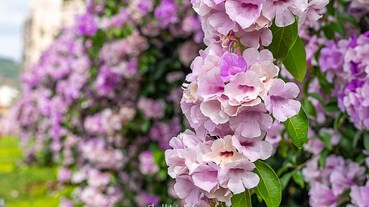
332	105
284	168
366	141
283	40
338	121
297	128
326	86
323	157
308	107
299	179
269	187
360	159
317	96
326	139
295	62
242	199
285	179
356	139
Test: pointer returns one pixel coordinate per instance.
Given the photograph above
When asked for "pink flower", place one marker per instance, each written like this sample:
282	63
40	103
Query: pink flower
219	23
280	100
206	177
314	12
254	148
185	189
343	179
152	108
221	194
223	151
203	7
176	162
212	109
359	195
254	38
187	139
244	88
322	196
237	176
197	119
210	85
244	12
266	70
252	56
284	10
251	122
274	134
231	64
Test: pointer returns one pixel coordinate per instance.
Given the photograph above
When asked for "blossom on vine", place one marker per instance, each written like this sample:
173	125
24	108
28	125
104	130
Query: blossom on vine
284	11
166	13
151	108
207	168
87	24
332	180
250	20
244	12
359	195
280	100
147	163
230	65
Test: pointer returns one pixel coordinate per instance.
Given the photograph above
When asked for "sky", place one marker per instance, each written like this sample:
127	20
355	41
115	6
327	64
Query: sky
12	16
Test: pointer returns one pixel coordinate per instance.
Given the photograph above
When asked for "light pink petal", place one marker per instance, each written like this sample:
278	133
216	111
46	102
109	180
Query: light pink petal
212	109
206	180
244	12
284	18
251	180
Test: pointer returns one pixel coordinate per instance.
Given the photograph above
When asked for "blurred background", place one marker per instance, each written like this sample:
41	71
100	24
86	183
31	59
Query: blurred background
27	28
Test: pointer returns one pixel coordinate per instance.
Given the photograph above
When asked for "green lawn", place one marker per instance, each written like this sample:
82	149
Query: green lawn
26	186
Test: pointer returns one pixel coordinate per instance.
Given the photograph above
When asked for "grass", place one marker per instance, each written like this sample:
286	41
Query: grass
26	186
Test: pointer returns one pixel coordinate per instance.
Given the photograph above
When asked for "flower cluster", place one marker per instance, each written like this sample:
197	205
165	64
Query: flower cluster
337	177
346	65
205	168
232	97
250	20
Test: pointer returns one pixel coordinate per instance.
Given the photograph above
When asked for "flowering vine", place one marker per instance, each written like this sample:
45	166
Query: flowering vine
233	96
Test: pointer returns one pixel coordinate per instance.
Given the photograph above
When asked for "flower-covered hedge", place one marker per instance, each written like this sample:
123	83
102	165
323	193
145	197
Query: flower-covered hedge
276	104
103	101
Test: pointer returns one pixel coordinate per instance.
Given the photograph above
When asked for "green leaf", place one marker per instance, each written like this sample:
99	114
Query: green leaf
297	128
283	40
309	107
295	61
317	96
284	168
356	139
332	105
326	139
299	179
269	188
285	179
366	141
339	120
242	199
323	157
326	86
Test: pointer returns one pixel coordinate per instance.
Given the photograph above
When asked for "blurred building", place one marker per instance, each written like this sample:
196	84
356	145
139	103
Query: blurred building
7	96
45	20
